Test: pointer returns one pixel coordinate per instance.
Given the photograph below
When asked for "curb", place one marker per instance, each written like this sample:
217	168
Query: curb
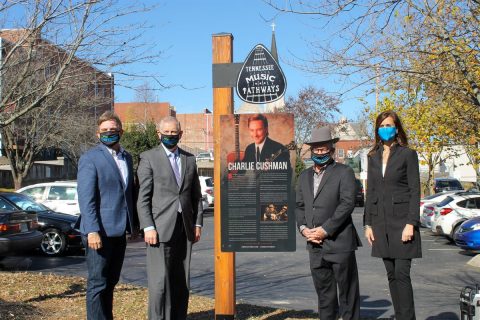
475	261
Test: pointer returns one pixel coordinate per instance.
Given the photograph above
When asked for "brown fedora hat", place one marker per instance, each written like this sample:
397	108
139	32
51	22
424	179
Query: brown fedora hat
322	135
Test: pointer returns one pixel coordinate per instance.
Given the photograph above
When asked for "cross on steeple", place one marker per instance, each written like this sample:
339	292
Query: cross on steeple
273	26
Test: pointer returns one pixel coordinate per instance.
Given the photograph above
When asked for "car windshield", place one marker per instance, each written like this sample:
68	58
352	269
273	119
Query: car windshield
5	206
449	184
209	182
445	201
25	202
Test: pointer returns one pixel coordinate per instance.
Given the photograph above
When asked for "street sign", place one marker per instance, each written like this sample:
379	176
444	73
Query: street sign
261	80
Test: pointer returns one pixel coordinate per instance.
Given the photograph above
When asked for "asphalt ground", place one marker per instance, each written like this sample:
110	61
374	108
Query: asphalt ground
283	280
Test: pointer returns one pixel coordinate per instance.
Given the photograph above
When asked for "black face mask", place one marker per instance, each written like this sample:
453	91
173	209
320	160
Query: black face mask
109	138
170	141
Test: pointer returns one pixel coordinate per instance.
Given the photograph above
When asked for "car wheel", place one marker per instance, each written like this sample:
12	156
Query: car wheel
454	230
53	243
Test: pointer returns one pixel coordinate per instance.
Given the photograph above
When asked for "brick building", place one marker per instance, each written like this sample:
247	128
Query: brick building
143	112
80	83
36	72
197	127
197	131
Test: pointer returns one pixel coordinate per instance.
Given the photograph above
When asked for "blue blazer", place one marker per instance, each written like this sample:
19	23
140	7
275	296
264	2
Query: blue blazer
105	201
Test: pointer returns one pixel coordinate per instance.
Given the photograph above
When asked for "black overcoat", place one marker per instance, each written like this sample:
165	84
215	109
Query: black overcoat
392	202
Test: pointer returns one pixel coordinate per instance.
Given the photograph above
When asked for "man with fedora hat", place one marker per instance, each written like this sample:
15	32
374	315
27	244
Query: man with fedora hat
325	201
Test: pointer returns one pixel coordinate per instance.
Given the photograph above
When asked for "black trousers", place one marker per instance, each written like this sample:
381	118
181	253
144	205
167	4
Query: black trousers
330	271
398	273
104	267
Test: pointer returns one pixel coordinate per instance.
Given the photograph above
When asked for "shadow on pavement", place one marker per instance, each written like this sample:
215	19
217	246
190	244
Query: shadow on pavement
247	311
36	261
444	316
373	309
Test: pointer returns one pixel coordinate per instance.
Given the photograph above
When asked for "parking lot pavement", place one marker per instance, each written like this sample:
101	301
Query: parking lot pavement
283	279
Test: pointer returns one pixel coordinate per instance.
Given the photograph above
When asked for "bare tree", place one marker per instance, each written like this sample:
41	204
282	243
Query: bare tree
145	93
312	108
395	42
51	55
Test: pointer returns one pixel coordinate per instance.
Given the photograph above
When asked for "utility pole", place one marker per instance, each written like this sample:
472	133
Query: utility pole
222	45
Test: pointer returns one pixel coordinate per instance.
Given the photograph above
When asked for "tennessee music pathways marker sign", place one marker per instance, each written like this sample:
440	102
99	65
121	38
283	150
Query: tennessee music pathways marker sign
257	197
261	80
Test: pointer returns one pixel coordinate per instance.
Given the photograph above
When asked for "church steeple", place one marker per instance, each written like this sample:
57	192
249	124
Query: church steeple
279	105
273	48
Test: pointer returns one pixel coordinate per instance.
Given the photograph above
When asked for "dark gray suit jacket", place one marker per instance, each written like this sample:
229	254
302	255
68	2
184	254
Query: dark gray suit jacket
159	194
330	208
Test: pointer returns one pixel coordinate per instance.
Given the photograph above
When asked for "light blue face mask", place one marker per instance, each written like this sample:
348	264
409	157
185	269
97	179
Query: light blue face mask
387	133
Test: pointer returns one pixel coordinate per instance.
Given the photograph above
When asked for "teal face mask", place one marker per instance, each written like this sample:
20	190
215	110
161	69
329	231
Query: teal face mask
387	133
109	138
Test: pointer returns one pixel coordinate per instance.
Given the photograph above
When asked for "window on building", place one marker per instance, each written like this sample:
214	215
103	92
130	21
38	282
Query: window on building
341	153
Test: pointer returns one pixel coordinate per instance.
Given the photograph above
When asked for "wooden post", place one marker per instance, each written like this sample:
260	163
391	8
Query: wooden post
222	52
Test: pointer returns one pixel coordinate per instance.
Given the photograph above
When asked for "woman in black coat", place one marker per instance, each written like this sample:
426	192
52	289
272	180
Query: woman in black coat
392	209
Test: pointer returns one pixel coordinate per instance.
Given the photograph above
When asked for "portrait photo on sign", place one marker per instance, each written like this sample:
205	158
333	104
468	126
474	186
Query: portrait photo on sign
257	142
257	161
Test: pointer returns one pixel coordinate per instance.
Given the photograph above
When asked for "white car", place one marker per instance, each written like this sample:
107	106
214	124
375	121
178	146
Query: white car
427	209
60	196
453	211
206	183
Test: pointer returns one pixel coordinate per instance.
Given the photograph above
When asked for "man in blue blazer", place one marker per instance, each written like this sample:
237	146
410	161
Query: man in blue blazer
106	198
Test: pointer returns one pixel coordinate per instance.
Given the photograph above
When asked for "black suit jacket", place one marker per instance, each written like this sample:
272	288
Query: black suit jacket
392	202
271	151
330	208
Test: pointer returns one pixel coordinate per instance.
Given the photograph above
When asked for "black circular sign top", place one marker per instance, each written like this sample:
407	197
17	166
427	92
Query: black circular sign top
261	80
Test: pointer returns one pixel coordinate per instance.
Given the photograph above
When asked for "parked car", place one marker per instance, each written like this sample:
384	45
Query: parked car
467	236
204	156
453	211
18	229
427	209
446	184
360	195
60	196
206	184
58	229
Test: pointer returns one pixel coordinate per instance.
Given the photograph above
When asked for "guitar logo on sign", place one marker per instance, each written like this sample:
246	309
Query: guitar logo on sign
261	80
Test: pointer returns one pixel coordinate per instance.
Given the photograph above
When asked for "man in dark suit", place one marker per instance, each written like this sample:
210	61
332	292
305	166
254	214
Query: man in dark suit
324	204
264	149
170	212
106	199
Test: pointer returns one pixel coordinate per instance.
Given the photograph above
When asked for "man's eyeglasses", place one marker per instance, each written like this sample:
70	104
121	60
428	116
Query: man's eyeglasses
320	149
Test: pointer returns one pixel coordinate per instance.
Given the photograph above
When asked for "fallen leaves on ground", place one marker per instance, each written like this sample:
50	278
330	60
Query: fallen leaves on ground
30	295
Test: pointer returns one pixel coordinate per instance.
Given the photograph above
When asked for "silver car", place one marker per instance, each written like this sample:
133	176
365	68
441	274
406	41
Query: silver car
427	204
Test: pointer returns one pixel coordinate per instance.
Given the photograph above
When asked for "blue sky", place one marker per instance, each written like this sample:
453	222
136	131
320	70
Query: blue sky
184	29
